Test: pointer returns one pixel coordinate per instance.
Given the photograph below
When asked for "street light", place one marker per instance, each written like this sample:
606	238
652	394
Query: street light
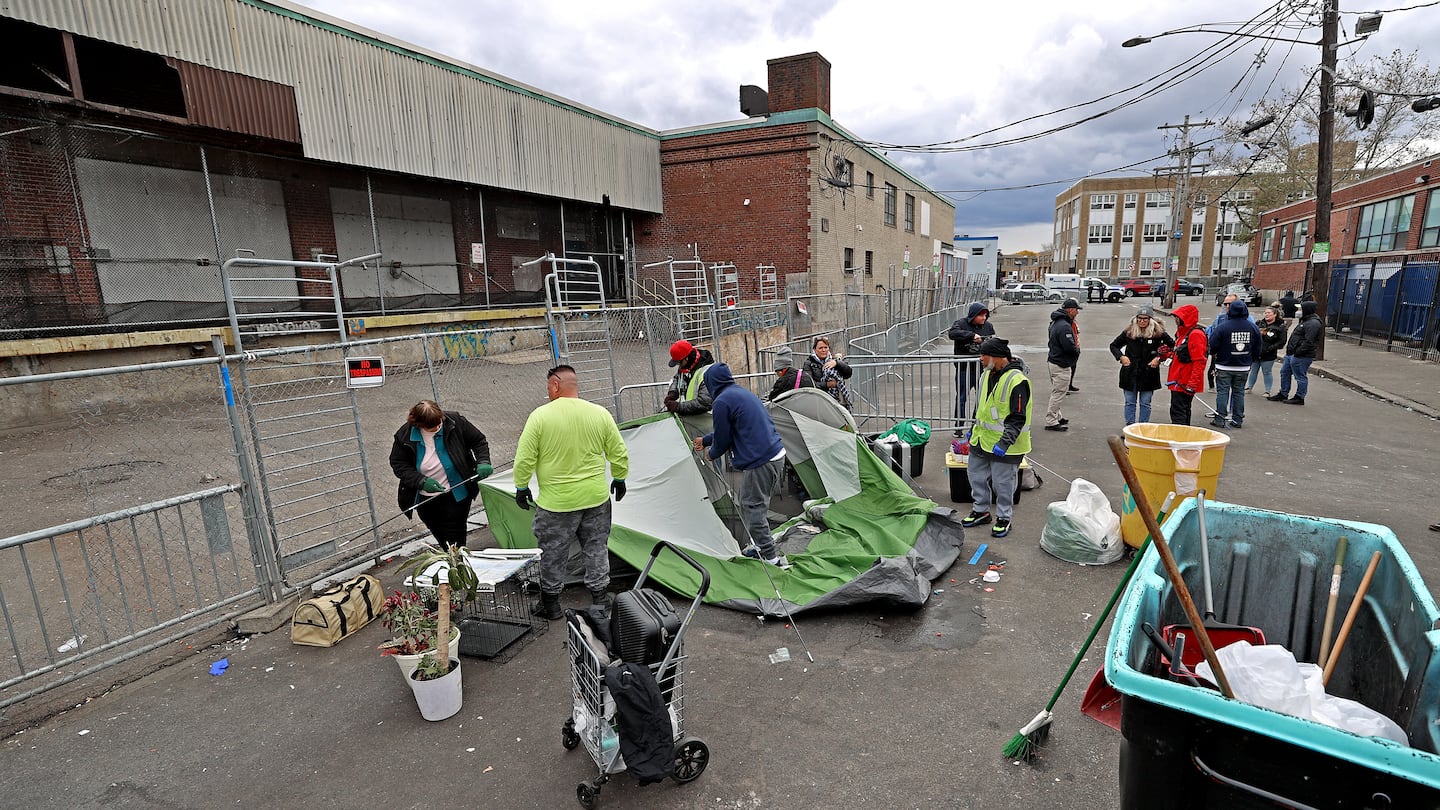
1325	149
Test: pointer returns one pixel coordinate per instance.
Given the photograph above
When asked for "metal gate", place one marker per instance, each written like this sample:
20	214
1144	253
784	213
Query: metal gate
302	414
576	311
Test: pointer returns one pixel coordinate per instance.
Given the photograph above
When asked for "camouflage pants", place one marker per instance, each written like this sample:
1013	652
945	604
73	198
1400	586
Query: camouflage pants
556	533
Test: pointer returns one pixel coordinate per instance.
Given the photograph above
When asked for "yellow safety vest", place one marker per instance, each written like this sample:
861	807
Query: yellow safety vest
992	409
693	389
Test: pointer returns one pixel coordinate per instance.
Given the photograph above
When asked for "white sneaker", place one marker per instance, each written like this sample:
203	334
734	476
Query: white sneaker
779	562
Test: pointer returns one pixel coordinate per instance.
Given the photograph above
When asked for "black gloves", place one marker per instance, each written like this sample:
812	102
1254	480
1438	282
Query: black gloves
522	498
617	488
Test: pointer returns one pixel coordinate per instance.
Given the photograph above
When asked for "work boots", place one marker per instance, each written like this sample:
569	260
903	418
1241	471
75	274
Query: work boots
548	606
602	599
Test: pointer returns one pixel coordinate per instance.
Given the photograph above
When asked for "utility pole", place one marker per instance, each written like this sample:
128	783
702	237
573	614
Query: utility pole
1325	163
1179	206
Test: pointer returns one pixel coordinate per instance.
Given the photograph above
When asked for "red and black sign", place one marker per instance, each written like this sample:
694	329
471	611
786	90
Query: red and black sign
364	372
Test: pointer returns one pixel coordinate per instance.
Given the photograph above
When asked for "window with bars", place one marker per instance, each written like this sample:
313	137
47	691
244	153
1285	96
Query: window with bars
1383	225
1302	236
869	262
1127	233
1154	232
1102	234
890	192
849	260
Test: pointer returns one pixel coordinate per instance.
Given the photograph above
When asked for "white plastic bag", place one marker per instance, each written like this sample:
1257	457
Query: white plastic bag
1082	528
1269	676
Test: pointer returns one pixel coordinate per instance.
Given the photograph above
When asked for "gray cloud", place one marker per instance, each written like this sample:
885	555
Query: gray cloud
896	79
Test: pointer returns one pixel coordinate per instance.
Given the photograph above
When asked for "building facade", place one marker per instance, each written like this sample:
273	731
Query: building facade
1125	227
792	188
144	146
1384	255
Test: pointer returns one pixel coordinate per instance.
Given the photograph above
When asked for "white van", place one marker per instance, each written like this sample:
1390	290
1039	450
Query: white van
1085	288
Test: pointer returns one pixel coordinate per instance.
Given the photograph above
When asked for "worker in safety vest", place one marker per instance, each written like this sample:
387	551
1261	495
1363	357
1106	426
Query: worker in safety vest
1000	438
688	395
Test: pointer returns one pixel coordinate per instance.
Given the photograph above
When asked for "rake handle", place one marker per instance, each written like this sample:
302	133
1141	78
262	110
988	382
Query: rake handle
1334	600
1350	617
1177	581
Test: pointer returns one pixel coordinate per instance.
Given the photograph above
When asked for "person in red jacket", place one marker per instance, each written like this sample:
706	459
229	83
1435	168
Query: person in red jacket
1187	363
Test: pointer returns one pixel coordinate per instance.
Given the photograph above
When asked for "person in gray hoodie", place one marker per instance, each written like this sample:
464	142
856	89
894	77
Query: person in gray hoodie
1235	344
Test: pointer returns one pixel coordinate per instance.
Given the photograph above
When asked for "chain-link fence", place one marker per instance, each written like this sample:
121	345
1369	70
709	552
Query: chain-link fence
109	228
1395	301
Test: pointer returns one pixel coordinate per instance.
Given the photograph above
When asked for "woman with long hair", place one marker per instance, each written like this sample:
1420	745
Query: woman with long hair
1138	349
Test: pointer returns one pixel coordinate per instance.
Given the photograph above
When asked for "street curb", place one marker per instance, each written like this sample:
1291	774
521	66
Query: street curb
1365	388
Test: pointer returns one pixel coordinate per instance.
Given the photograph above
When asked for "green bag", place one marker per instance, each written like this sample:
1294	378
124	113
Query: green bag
913	432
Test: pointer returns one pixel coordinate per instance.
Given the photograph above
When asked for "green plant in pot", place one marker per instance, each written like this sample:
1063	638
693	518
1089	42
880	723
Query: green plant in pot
454	580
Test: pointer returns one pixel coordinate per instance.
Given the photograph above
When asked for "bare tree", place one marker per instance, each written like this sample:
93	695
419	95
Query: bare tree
1279	161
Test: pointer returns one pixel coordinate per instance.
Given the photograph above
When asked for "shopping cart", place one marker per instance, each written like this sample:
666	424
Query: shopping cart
592	720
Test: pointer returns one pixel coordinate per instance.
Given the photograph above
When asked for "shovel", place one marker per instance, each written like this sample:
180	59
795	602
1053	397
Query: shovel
1221	633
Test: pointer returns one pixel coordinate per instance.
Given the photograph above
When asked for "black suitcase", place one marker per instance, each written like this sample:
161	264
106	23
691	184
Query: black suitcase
643	625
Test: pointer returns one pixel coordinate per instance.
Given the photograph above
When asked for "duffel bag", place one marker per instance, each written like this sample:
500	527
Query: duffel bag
336	612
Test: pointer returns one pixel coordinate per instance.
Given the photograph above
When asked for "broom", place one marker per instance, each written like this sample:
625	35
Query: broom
1032	735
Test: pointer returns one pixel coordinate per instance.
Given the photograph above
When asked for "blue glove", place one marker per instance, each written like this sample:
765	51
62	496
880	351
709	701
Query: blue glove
998	450
617	488
522	498
484	470
431	485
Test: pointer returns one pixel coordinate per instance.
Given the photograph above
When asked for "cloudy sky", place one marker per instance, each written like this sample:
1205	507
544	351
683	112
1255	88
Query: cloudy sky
915	73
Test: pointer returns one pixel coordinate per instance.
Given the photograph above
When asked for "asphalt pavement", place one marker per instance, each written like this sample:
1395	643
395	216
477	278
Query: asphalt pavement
898	709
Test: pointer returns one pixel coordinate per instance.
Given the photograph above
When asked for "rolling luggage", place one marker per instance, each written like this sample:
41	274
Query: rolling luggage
643	623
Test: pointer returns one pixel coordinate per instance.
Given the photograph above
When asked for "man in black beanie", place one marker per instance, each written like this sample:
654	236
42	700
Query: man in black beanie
1299	354
1000	438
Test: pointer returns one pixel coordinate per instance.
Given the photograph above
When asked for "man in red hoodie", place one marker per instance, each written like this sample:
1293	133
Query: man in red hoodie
1187	363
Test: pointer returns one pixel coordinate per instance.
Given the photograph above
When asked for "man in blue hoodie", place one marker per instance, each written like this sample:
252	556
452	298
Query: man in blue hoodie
968	333
743	429
1235	345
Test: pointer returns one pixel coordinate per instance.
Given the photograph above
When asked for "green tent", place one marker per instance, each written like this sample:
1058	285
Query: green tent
872	539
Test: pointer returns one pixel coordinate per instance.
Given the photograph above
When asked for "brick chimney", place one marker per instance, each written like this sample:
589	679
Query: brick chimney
799	82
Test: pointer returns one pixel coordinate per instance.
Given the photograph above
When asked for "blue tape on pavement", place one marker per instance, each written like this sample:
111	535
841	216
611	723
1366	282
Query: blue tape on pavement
979	551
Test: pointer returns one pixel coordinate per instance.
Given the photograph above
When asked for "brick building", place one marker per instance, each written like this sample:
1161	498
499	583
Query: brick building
1384	255
1120	227
790	187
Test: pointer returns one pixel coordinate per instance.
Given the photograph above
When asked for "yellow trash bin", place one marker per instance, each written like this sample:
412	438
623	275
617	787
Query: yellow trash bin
1169	458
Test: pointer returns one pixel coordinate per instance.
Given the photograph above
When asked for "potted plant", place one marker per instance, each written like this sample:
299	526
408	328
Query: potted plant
413	627
436	681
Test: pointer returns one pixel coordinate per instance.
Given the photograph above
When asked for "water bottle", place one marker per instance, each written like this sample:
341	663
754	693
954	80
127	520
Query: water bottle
609	739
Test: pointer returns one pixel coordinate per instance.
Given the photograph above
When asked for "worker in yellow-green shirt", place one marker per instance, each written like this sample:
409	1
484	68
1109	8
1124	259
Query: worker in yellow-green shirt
566	445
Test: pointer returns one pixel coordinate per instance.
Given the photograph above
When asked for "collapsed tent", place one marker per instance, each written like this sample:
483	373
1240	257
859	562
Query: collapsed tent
868	538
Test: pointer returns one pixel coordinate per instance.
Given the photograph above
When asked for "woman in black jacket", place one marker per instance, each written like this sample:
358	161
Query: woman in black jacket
1140	348
829	371
1272	339
435	454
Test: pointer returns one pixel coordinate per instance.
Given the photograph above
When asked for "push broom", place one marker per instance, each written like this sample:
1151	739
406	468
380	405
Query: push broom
1029	738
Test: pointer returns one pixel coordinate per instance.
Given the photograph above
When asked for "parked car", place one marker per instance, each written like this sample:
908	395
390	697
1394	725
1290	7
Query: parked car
1029	292
1094	289
1247	292
1183	286
1136	286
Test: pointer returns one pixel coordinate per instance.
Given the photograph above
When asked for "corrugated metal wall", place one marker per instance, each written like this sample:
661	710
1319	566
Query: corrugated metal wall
367	102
